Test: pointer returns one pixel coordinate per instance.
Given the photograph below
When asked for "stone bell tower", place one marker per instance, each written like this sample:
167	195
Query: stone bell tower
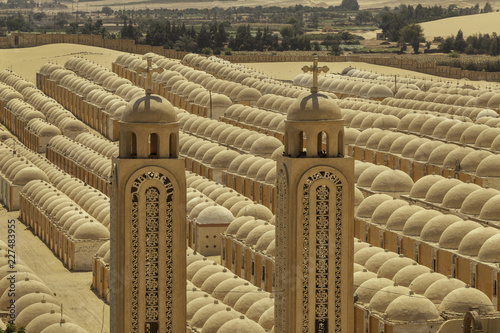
148	228
314	220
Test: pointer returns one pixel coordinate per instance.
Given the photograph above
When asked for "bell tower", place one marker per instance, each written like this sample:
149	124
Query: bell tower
148	227
314	220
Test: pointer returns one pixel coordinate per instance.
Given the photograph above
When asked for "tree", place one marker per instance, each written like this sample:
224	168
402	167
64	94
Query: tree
487	8
349	5
459	44
185	43
15	22
39	16
413	35
332	43
107	11
363	16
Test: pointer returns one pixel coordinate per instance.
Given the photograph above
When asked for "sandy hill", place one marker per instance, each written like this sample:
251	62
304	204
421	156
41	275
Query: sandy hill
470	25
27	61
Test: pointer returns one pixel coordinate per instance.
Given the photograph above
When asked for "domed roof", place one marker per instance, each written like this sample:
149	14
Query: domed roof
382	213
315	106
392	181
382	298
241	325
437	291
64	328
369	204
378	259
149	109
370	287
422	186
475	201
399	217
455	197
472	242
407	274
433	229
490	251
461	300
394	265
437	191
216	320
412	308
420	284
453	235
361	256
215	215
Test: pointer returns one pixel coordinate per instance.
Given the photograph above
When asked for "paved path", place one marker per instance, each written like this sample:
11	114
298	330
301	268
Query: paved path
72	289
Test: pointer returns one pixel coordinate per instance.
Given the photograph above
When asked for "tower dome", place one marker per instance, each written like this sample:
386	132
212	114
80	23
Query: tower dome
314	106
149	109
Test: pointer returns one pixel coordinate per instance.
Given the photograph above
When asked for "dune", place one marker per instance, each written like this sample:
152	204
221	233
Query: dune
27	61
470	25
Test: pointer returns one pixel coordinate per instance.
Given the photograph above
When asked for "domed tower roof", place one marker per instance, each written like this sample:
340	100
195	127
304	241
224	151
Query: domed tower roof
149	109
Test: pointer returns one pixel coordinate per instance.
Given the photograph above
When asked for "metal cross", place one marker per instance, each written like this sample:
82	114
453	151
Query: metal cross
315	70
149	70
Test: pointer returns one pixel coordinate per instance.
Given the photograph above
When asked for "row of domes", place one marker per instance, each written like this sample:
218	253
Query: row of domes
81	212
220	302
17	169
37	309
83	155
391	284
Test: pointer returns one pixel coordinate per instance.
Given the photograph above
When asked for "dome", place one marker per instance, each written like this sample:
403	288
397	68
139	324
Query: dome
490	251
369	204
461	300
412	307
472	242
363	276
407	274
453	235
392	181
442	287
488	167
64	328
215	215
414	224
437	191
382	213
370	287
475	201
241	325
205	312
315	106
422	186
363	255
375	261
379	91
382	298
393	266
149	109
433	229
420	284
455	197
216	320
399	217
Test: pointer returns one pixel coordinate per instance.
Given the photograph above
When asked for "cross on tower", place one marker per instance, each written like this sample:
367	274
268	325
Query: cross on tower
315	70
149	70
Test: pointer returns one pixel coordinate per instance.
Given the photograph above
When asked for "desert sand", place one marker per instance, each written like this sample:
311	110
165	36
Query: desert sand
27	61
470	25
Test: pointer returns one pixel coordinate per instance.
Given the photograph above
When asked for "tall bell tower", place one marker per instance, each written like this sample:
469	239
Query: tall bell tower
314	220
148	228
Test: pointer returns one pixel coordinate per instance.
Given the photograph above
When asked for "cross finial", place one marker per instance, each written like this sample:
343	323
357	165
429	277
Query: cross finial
315	70
149	70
